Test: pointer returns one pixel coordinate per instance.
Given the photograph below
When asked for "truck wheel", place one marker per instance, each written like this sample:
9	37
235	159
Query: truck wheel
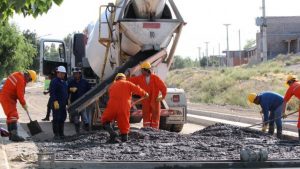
177	128
163	124
136	119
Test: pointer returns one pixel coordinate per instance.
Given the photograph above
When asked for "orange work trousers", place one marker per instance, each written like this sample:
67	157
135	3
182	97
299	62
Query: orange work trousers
119	114
9	106
151	114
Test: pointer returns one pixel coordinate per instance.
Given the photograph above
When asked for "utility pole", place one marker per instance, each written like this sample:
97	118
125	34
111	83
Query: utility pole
227	52
206	53
199	55
220	59
240	52
264	33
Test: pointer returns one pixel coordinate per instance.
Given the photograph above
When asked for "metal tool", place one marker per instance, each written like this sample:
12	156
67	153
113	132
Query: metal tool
271	120
33	126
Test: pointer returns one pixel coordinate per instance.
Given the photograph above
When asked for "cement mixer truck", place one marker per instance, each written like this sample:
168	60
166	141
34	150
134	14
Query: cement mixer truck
127	33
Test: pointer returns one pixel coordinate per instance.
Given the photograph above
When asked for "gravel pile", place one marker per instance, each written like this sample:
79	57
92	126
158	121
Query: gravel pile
216	142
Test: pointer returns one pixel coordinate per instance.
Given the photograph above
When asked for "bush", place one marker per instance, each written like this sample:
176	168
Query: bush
230	86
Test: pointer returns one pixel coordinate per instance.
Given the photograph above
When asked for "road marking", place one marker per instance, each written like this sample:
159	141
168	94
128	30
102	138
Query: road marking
207	111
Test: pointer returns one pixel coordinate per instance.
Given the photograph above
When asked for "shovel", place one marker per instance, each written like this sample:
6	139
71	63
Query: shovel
33	126
271	120
137	101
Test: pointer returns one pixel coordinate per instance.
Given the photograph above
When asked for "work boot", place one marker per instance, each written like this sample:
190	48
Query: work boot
13	132
77	128
112	134
271	129
124	137
15	137
86	127
279	132
55	131
61	130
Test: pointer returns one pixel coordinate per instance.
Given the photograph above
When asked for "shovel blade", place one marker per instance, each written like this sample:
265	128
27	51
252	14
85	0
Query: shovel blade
34	127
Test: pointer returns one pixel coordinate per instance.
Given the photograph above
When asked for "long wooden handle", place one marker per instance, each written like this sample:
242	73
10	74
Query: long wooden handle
137	101
272	119
28	115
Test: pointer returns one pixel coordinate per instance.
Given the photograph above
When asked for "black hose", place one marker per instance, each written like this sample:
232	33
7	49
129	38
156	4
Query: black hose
111	9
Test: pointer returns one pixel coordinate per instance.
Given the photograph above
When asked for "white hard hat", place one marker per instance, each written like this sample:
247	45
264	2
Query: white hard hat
61	69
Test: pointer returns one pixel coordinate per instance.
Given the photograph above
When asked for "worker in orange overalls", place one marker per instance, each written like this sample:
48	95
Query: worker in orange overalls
293	90
118	107
153	85
13	90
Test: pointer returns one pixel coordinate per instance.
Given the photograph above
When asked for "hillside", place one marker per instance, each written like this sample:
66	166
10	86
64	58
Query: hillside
230	86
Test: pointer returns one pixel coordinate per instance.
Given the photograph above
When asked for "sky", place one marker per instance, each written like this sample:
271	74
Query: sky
205	21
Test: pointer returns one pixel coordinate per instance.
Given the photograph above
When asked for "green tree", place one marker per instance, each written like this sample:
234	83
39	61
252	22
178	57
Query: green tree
31	38
26	7
203	62
178	62
68	38
249	44
15	51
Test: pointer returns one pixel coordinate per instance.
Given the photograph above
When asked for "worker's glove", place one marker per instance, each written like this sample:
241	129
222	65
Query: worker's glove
146	95
73	89
56	105
25	107
159	98
264	128
284	115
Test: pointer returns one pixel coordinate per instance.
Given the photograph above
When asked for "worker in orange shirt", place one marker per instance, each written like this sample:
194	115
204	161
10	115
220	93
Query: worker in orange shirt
293	90
153	85
118	107
13	90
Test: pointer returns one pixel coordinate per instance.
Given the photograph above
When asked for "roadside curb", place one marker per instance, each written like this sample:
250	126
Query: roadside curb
3	158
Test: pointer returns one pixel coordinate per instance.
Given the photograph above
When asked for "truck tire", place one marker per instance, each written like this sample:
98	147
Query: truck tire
163	124
177	128
135	119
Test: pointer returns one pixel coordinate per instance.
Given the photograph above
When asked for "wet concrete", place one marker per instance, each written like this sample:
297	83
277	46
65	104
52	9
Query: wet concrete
216	142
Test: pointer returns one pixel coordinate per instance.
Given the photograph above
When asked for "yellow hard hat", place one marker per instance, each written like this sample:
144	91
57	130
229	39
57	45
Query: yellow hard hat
290	77
32	74
251	97
146	65
120	75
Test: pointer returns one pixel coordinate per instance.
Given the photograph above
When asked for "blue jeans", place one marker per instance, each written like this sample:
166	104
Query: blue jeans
277	116
83	115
